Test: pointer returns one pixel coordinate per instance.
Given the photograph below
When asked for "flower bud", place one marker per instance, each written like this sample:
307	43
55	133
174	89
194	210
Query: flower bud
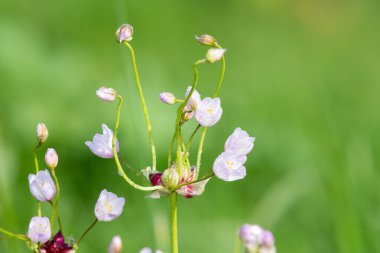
206	40
42	133
106	94
215	54
51	158
116	245
170	178
155	178
167	98
124	32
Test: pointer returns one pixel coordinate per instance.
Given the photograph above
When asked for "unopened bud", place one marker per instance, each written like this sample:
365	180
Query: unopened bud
106	94
155	178
206	40
51	158
42	133
116	245
124	32
215	54
167	98
170	178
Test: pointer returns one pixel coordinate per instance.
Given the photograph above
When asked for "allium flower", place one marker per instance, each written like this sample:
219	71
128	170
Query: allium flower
256	239
116	245
39	229
193	101
149	250
228	166
124	32
108	207
170	177
42	132
167	98
208	112
206	40
42	186
56	245
215	54
51	158
239	142
106	94
101	144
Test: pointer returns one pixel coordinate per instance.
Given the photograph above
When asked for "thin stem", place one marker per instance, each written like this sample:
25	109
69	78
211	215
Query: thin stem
55	210
191	138
237	243
10	234
196	181
116	157
200	149
87	230
39	212
174	222
143	104
55	206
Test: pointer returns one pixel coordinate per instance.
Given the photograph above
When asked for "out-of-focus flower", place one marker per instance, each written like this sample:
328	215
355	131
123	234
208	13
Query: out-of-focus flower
116	245
108	207
124	32
215	54
208	112
42	133
42	186
239	142
155	178
206	40
167	98
170	177
192	190
149	250
193	101
228	166
51	158
106	94
39	229
56	245
256	239
101	144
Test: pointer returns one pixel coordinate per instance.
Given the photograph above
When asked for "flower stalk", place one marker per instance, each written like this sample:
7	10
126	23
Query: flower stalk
39	212
87	230
17	236
174	222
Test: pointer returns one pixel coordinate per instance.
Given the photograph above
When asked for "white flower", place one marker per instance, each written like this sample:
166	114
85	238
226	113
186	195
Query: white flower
39	229
193	101
215	54
101	144
42	186
124	32
42	132
239	142
208	112
116	245
149	250
51	158
108	207
192	190
106	94
228	166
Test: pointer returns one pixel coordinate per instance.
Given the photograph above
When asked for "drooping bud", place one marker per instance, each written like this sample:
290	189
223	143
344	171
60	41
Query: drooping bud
106	94
170	177
206	40
215	54
167	98
155	178
116	245
124	32
42	133
51	158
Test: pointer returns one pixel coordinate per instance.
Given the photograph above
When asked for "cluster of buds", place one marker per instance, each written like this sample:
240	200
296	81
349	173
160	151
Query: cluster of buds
256	239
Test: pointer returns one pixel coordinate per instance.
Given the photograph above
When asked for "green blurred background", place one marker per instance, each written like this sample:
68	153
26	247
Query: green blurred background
302	76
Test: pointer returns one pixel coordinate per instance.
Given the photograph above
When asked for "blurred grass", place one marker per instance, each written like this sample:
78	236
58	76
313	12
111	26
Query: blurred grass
302	76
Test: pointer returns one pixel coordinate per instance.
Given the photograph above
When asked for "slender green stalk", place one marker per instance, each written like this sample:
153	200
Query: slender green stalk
87	230
143	104
39	212
196	181
174	222
191	138
116	157
55	205
237	243
55	211
17	236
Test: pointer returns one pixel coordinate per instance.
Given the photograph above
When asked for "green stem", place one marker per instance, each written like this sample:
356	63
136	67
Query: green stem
143	104
200	149
191	138
196	181
116	157
55	211
55	205
39	212
87	230
174	222
10	234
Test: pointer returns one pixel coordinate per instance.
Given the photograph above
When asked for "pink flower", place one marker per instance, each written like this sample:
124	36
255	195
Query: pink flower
106	94
101	144
116	245
108	207
124	33
51	158
228	166
39	229
256	239
208	112
42	186
42	132
167	98
239	142
215	54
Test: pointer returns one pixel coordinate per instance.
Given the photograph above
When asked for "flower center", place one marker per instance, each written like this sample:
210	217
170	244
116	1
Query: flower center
230	165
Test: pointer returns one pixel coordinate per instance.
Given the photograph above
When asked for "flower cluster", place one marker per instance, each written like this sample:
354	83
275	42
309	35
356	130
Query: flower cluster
256	239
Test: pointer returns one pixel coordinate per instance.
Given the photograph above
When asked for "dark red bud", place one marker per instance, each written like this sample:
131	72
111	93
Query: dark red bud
155	178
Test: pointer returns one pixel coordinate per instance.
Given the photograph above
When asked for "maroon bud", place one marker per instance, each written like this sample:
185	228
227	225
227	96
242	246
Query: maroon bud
59	239
155	178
